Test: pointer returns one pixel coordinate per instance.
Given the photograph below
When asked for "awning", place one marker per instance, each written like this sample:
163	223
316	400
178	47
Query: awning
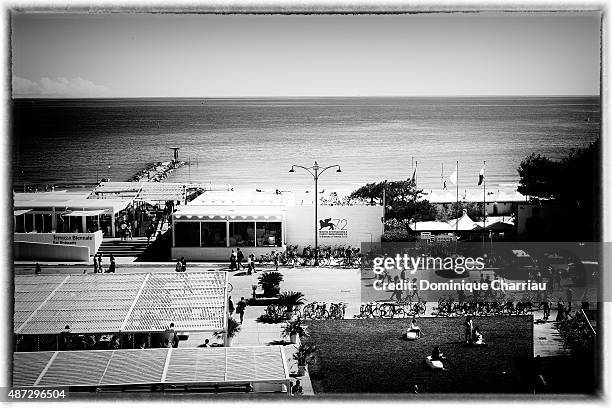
86	213
176	366
17	213
238	213
112	303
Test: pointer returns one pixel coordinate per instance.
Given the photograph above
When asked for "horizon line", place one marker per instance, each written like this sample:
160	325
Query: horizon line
315	97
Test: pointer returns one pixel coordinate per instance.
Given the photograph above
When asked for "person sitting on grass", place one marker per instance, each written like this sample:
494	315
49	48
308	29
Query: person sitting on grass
477	338
297	388
414	329
436	354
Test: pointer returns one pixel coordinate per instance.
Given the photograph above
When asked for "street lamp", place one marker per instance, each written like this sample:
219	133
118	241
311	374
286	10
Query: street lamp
315	171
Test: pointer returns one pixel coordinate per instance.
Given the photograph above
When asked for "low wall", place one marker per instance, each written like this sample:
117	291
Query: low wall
39	251
219	253
91	240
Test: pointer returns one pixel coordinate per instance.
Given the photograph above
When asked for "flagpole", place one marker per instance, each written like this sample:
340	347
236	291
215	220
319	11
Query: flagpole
384	206
484	197
457	223
414	196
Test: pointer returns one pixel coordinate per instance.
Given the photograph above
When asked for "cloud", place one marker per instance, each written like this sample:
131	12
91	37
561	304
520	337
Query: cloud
57	88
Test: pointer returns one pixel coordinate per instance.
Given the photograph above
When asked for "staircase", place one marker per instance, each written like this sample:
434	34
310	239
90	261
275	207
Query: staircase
127	248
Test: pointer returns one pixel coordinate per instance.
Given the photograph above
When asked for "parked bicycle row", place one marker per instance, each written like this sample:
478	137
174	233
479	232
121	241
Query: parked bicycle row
339	255
320	311
391	310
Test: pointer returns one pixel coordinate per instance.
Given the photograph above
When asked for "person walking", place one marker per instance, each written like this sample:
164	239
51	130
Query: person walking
111	267
251	264
230	306
469	329
179	266
123	230
95	264
560	311
240	309
275	257
183	264
240	258
232	261
546	308
570	294
100	268
37	269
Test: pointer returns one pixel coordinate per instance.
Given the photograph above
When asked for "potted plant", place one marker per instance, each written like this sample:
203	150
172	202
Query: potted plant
302	356
269	282
293	329
233	328
290	300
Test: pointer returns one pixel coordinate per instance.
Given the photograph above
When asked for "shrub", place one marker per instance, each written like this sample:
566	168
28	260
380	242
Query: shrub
233	328
291	299
269	282
295	327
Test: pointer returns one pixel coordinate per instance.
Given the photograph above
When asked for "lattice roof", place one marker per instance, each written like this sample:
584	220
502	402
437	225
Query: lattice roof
109	303
216	365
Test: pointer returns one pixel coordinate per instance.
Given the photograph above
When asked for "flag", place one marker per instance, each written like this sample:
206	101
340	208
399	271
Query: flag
414	172
453	177
481	176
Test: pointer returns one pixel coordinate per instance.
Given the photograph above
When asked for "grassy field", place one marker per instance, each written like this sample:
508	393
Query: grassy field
370	356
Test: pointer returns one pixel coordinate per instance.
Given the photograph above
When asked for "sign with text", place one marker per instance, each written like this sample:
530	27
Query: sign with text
333	228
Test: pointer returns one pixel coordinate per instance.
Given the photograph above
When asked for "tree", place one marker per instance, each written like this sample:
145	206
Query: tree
402	199
576	177
538	176
574	181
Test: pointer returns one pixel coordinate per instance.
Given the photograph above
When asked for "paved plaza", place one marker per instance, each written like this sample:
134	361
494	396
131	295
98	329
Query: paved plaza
317	284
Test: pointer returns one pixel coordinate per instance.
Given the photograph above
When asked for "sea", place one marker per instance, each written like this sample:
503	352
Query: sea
252	143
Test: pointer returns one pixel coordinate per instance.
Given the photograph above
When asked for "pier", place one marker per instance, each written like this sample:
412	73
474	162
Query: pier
158	171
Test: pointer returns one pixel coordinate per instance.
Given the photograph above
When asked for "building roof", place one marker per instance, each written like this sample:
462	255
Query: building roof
67	201
431	226
474	195
99	368
111	303
242	198
464	223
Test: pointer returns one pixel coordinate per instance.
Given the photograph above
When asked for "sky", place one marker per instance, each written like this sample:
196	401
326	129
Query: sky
170	55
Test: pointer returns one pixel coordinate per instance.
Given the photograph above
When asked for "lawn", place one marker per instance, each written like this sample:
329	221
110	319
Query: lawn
369	356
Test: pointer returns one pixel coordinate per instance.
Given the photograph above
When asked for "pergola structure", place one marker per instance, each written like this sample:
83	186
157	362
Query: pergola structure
120	303
196	369
151	192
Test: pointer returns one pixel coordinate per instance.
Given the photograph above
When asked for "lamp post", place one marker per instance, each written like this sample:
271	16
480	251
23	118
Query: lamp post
315	171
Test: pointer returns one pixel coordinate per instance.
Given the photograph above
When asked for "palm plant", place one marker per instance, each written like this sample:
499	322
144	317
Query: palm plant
233	328
294	327
269	282
291	299
303	353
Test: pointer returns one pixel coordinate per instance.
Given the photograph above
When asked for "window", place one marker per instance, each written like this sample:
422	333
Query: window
242	234
38	222
19	223
47	225
214	234
269	234
187	234
29	222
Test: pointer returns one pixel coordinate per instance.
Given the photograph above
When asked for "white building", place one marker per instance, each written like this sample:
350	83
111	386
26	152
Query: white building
216	222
